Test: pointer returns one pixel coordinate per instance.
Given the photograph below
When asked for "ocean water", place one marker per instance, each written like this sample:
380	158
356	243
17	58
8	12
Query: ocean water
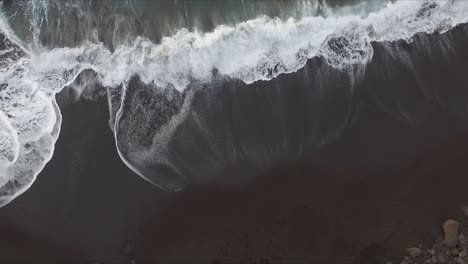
198	87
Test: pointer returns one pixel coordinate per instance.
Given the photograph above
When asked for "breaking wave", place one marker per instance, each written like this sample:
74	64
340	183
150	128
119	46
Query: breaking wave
176	101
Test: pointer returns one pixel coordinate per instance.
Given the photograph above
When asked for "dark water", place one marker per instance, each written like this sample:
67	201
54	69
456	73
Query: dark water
69	23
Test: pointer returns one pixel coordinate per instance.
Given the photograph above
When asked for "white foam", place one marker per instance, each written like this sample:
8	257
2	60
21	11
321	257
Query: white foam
9	147
28	121
257	49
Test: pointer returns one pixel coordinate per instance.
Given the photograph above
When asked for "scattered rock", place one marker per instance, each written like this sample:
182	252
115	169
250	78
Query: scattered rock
450	228
451	247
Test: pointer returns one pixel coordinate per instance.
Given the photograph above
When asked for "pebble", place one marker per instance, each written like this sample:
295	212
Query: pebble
460	261
441	259
464	209
455	252
414	251
463	254
450	228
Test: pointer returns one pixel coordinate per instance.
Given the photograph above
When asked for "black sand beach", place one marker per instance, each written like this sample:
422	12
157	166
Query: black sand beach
394	174
87	206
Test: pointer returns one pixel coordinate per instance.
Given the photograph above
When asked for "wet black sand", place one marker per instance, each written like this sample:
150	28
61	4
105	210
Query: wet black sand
87	206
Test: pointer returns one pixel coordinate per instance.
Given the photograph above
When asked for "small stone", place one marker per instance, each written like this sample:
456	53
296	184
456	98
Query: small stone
431	251
441	259
464	209
450	228
462	240
414	251
460	261
454	252
433	259
463	254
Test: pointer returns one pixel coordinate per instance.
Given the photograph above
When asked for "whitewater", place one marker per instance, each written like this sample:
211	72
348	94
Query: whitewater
259	49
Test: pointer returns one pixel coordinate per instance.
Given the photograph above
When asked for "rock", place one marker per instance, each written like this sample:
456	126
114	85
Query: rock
405	260
464	209
414	251
460	261
450	228
462	241
454	252
463	254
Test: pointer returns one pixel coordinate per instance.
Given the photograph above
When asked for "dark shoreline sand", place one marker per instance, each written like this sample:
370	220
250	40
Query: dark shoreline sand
87	206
